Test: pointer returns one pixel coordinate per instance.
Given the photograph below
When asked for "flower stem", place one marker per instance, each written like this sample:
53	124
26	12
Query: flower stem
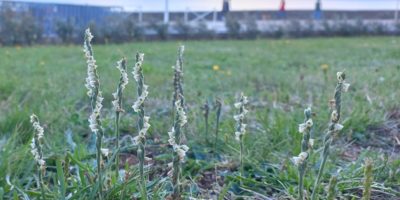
332	129
305	147
332	188
219	105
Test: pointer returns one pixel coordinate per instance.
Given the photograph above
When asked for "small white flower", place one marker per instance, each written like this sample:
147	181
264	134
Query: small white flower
124	74
123	82
237	135
141	98
146	126
115	104
41	162
298	160
244	99
37	127
338	127
105	152
304	126
311	143
93	122
345	87
171	135
334	116
238	117
181	151
309	123
238	105
169	165
340	76
181	49
88	34
138	67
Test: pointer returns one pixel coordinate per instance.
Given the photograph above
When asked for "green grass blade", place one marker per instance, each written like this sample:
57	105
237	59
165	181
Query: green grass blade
61	179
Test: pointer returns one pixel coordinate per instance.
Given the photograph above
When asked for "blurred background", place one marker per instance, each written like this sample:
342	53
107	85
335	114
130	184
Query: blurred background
63	21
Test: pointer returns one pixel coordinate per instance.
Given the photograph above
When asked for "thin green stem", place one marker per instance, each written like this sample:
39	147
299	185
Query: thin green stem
218	115
117	134
305	147
142	121
41	184
241	156
176	162
99	158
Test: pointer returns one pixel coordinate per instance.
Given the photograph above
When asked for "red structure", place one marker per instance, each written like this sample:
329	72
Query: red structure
282	7
282	10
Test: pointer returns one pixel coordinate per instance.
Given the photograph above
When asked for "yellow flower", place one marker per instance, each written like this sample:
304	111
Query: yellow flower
324	67
215	67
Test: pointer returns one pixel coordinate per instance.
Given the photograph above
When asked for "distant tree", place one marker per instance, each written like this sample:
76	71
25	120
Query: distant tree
184	30
233	27
161	30
65	30
252	31
121	28
202	31
8	25
18	27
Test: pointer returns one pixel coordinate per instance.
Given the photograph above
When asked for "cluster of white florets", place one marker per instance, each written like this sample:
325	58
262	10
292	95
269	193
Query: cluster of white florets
240	117
179	149
138	67
139	102
181	113
123	82
182	120
143	131
92	83
137	74
93	124
305	126
335	114
37	141
36	126
345	85
299	160
91	63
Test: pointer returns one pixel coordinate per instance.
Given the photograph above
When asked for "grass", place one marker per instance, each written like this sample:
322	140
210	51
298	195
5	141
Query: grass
281	78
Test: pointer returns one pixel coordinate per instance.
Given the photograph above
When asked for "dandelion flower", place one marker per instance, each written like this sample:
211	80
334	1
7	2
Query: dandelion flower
324	67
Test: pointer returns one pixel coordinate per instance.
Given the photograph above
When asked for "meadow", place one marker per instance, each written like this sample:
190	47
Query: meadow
280	77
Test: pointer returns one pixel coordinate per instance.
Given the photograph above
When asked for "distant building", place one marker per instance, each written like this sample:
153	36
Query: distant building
48	14
225	9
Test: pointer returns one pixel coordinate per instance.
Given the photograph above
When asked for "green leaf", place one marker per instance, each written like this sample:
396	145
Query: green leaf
224	191
61	179
1	193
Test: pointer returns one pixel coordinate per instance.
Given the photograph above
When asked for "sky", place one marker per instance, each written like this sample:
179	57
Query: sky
203	5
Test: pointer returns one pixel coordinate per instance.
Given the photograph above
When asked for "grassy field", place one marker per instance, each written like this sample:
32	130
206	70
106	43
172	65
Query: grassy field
281	79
